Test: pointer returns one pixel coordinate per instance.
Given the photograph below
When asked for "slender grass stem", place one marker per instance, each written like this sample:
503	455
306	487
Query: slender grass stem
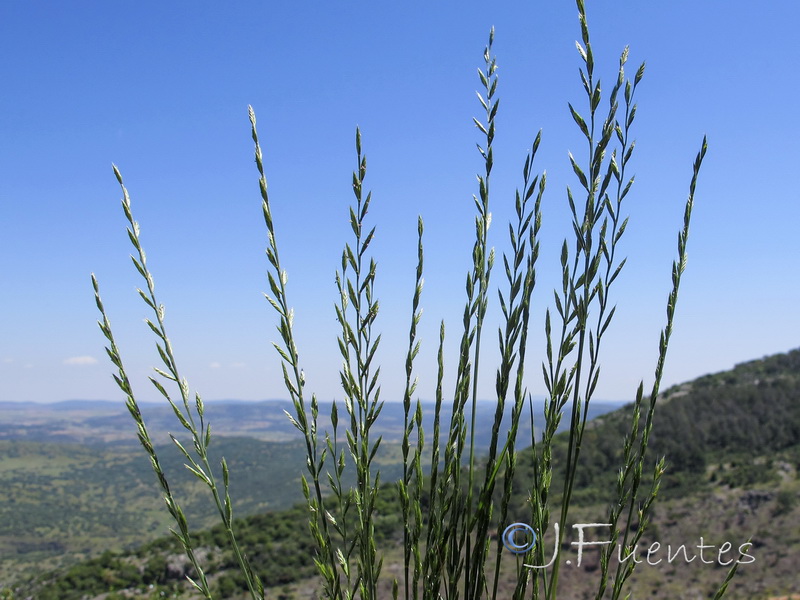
412	528
174	508
328	561
201	436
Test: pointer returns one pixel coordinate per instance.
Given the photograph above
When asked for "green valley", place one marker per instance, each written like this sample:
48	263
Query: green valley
731	440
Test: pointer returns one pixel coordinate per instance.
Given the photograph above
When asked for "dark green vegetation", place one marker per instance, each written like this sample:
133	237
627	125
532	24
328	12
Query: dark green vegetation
732	443
708	429
271	540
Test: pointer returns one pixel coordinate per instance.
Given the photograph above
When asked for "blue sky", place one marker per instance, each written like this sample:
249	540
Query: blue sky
161	90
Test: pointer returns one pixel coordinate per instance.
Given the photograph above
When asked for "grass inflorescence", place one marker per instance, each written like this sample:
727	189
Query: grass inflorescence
449	513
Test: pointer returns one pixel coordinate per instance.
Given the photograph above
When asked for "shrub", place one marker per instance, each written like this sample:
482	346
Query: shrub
785	501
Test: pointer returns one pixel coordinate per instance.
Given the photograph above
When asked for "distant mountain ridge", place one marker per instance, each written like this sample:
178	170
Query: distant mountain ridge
94	422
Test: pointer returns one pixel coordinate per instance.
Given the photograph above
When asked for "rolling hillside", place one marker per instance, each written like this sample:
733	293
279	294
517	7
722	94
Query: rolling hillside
75	483
732	443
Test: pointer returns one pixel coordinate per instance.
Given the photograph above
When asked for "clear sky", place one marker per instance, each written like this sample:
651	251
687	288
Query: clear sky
161	89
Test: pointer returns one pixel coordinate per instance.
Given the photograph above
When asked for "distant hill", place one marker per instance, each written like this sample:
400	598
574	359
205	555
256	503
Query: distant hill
720	422
93	422
732	444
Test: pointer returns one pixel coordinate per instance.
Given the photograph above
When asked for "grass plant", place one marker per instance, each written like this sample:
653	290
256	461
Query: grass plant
449	513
